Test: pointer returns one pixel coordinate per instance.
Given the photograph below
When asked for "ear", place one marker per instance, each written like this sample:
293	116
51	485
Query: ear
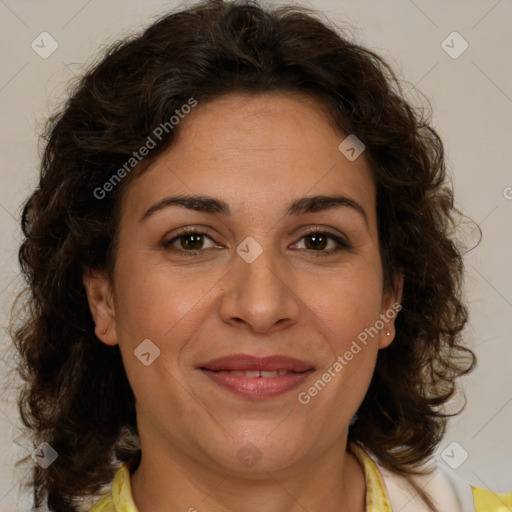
101	304
389	310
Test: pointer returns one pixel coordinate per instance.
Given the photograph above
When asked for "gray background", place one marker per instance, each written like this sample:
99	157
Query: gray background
471	98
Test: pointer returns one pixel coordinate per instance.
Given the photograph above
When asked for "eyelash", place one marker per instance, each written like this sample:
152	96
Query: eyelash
342	244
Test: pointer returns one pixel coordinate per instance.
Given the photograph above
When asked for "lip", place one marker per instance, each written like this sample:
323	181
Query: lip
252	363
218	370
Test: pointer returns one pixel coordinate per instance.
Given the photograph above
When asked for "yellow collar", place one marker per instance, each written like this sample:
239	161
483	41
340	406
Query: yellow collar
120	498
377	499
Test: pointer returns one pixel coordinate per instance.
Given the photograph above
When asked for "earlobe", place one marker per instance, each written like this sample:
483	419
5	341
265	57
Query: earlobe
101	304
391	307
387	336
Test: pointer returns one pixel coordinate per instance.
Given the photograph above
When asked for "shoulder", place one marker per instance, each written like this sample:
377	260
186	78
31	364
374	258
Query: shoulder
447	490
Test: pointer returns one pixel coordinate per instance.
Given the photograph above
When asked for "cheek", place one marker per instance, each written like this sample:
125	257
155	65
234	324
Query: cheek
347	308
349	301
346	312
155	303
152	298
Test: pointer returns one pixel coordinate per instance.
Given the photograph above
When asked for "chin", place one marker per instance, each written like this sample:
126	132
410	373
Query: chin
266	452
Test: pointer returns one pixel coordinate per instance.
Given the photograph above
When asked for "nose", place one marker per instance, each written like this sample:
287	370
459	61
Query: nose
260	294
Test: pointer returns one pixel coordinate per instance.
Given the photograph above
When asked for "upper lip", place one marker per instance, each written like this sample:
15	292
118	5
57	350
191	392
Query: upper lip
253	363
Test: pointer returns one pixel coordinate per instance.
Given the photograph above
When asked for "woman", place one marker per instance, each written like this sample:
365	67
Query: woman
244	294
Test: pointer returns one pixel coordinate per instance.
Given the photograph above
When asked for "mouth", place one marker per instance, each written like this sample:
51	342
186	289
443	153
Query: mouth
257	378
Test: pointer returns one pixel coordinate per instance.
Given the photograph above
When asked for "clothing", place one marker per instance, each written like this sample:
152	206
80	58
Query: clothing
385	491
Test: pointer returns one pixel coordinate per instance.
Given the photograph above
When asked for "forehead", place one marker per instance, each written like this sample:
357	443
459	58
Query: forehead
266	149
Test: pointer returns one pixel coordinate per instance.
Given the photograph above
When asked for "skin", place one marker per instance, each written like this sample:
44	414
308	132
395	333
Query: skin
258	153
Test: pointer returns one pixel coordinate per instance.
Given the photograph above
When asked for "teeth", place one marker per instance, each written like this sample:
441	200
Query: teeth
238	373
255	373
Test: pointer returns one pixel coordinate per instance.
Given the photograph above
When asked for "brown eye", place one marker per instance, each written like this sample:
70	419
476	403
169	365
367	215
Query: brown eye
317	241
188	241
191	242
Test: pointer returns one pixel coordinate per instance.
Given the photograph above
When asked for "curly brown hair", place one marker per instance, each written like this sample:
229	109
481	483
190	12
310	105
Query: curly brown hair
75	394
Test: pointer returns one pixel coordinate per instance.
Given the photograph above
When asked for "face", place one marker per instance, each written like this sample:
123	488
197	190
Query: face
250	280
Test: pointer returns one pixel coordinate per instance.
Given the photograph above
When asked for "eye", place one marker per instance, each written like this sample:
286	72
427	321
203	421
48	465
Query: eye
317	240
190	240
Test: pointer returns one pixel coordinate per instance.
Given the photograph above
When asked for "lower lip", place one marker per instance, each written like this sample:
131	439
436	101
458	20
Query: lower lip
257	387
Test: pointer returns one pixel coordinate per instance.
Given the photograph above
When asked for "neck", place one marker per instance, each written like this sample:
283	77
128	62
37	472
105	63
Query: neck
170	481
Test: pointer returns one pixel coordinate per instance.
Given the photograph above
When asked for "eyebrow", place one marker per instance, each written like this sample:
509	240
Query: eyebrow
215	206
